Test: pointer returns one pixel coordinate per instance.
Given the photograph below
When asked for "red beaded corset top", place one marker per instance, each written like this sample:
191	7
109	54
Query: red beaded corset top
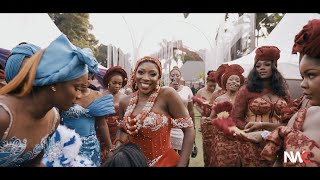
154	136
265	106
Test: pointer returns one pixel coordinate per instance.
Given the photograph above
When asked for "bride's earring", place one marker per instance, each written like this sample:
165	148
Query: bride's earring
53	89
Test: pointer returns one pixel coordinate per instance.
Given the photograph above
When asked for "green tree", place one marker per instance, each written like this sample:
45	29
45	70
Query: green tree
102	55
76	27
269	21
201	75
189	55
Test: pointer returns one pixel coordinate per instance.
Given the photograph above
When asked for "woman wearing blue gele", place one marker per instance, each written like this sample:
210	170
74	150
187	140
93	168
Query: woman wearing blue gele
19	56
4	53
87	112
52	77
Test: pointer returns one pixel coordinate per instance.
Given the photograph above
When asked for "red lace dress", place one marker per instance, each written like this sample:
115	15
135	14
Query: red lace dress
154	139
152	133
288	139
256	107
224	150
112	122
207	136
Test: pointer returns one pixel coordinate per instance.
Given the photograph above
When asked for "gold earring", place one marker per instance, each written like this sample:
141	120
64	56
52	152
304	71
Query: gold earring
53	89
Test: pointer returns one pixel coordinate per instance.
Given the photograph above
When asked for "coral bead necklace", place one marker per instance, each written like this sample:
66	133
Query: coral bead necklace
133	125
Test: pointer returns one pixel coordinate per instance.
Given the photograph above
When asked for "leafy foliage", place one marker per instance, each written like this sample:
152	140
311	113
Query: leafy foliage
269	22
102	55
201	75
76	27
190	55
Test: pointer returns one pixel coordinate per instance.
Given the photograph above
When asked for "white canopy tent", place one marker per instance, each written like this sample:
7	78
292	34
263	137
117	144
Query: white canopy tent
282	36
35	28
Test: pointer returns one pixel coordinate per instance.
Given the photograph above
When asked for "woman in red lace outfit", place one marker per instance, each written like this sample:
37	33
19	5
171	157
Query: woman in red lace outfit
302	132
221	149
114	79
149	114
205	94
258	106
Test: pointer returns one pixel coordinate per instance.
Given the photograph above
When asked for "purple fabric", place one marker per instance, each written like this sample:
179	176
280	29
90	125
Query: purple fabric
4	53
99	76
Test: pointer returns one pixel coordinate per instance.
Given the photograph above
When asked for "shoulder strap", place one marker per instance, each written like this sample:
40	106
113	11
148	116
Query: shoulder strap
55	119
5	107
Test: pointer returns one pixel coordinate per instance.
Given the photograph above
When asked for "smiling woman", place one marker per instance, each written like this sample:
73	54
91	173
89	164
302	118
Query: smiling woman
258	106
186	95
302	132
150	112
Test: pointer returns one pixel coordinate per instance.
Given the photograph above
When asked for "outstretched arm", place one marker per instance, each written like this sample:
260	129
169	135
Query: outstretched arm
191	112
121	134
181	119
4	121
238	113
198	95
104	129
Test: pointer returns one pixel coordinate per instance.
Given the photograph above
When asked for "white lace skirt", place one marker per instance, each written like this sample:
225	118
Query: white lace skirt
176	137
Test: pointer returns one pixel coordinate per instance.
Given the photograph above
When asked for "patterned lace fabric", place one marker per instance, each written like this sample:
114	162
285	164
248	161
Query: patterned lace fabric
207	136
152	133
182	123
219	149
79	119
90	149
12	149
261	106
176	134
154	136
63	150
76	111
251	106
112	122
224	150
288	139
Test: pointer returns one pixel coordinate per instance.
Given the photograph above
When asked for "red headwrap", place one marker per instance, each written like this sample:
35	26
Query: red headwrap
2	74
225	71
307	41
144	59
111	71
267	53
211	76
218	74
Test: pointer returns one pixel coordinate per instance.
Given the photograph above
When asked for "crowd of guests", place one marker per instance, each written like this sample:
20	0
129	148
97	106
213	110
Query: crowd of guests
52	115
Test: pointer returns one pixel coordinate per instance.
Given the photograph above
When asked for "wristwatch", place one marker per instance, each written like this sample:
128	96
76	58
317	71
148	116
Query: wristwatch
264	134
